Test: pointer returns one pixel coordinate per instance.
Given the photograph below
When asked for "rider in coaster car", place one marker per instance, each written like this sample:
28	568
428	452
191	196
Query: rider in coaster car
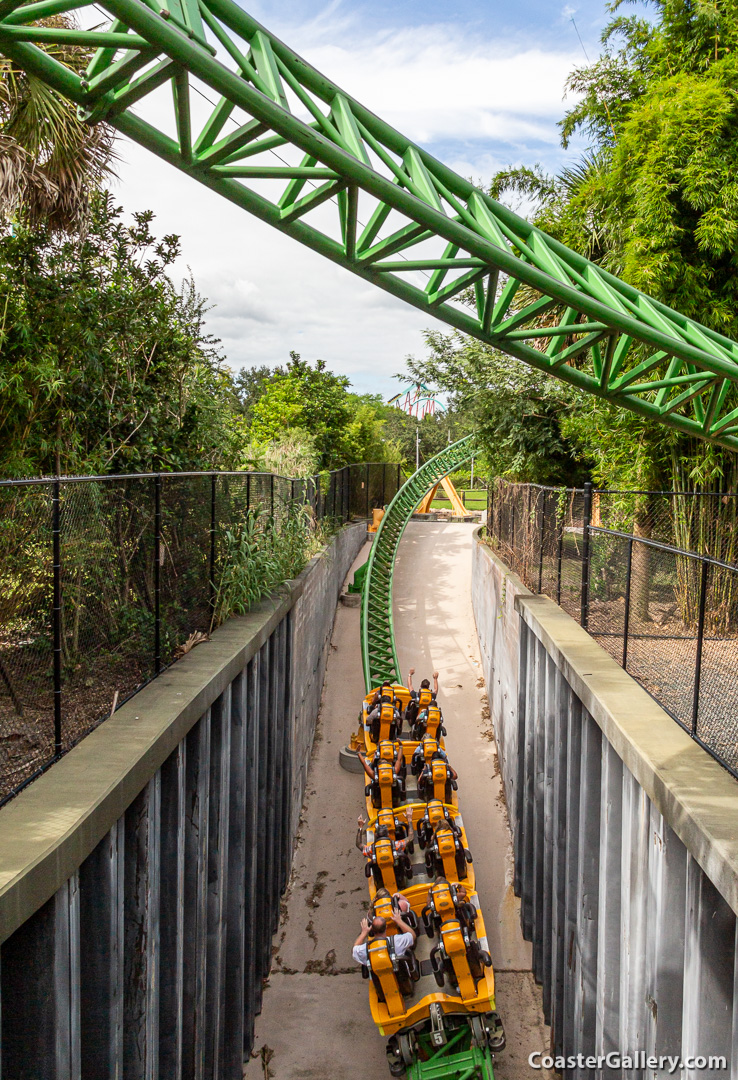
428	721
447	900
400	844
424	751
383	690
419	699
388	861
388	751
402	941
385	902
375	715
396	824
446	844
435	811
425	779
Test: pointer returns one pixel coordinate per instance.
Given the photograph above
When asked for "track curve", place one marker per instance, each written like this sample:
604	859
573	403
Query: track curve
378	649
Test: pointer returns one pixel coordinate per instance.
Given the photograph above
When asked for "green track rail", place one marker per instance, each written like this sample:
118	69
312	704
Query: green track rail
378	651
471	1064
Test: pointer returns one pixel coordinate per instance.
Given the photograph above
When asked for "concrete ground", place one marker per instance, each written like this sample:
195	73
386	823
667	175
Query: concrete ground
315	1023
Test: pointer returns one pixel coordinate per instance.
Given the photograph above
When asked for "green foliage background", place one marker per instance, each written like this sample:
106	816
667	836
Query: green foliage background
654	199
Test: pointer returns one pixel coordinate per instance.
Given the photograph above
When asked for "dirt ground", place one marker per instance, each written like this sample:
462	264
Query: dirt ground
315	1023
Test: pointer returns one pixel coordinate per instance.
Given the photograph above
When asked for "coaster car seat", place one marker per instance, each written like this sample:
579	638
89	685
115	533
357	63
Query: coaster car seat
459	958
416	705
444	903
429	722
434	782
423	754
385	790
445	855
390	751
385	725
435	812
385	905
393	977
389	868
396	826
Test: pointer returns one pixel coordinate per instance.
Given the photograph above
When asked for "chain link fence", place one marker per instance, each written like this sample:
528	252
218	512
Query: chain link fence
652	576
104	579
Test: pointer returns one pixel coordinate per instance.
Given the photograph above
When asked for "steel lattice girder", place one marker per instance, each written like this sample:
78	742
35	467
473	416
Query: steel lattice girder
378	650
313	162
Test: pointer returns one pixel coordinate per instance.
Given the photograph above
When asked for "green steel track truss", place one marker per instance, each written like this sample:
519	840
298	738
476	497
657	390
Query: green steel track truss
378	651
207	88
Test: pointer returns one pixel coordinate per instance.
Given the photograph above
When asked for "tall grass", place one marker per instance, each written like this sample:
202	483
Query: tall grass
260	554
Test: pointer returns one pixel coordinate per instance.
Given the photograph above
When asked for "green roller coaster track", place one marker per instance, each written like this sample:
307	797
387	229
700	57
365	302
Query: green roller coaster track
378	650
237	109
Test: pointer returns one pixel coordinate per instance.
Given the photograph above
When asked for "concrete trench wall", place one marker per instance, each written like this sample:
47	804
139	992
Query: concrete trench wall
626	845
140	878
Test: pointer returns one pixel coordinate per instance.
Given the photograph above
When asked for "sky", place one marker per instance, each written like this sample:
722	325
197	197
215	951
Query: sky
478	84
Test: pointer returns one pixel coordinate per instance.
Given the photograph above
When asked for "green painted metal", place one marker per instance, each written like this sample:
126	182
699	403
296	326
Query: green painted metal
378	651
254	122
469	1063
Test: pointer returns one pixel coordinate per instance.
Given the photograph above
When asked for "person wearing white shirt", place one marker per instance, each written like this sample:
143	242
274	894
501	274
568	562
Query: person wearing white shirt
401	942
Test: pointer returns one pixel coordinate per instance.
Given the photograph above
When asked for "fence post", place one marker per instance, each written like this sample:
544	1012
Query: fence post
560	549
490	510
700	639
248	492
626	622
527	543
367	491
584	614
213	515
56	613
271	494
157	573
541	535
384	484
398	477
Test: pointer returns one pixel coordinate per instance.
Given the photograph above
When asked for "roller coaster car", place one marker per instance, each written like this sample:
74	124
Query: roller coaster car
444	903
429	722
435	811
389	868
385	791
446	856
434	782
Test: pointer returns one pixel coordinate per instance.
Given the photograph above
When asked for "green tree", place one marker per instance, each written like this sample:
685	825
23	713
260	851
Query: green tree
249	384
514	409
106	366
653	199
50	162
